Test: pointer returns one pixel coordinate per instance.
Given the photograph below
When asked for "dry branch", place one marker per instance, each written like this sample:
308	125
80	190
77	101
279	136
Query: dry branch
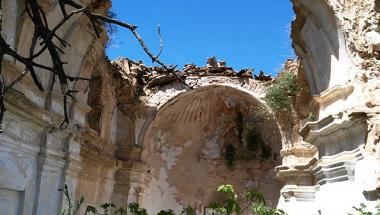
46	34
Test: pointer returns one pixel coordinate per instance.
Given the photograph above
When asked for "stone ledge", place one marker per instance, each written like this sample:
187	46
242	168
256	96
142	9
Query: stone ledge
334	93
300	193
27	111
339	167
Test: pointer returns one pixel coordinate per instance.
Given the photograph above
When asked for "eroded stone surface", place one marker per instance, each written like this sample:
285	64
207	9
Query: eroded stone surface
336	44
186	143
138	134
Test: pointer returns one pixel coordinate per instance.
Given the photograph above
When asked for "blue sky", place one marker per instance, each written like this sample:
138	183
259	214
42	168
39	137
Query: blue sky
245	33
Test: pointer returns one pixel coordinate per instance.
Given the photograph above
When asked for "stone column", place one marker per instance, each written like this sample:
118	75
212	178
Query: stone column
131	181
53	161
297	175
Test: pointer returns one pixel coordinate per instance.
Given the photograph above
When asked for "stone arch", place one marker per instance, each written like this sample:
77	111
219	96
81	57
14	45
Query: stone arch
170	92
185	146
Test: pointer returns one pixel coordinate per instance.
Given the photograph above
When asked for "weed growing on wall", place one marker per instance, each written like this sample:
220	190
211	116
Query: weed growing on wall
278	96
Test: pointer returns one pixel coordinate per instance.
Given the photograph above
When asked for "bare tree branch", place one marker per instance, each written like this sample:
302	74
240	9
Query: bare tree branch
157	60
161	43
45	33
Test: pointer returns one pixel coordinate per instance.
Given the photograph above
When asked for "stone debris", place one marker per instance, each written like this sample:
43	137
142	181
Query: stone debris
154	76
212	62
263	77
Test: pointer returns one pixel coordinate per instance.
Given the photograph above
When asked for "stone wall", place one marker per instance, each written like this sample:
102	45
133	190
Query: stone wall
138	134
334	165
37	157
175	156
186	144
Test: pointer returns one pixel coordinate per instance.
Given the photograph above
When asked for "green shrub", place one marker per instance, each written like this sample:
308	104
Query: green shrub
252	200
261	209
278	95
233	204
363	210
166	212
188	211
135	209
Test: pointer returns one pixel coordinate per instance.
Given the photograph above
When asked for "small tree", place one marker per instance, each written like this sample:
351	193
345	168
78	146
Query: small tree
278	96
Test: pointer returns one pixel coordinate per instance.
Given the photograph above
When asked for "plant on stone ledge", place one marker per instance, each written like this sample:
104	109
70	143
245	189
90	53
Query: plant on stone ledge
278	96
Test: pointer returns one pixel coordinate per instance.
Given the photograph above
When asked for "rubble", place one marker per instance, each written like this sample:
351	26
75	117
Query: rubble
154	76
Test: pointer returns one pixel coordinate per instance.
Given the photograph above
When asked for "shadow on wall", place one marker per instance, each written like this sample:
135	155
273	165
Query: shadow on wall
319	43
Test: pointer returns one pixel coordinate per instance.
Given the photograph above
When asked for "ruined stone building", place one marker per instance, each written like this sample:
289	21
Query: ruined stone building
137	134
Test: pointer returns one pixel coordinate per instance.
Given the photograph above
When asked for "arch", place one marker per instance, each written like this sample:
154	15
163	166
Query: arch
320	43
170	92
186	143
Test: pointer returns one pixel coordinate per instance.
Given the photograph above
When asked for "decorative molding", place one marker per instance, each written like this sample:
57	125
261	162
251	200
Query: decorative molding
321	131
333	94
299	151
300	175
338	138
337	168
25	110
300	193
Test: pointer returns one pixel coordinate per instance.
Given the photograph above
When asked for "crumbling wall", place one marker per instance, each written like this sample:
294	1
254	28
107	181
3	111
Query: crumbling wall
175	156
336	42
349	61
187	144
37	157
120	147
